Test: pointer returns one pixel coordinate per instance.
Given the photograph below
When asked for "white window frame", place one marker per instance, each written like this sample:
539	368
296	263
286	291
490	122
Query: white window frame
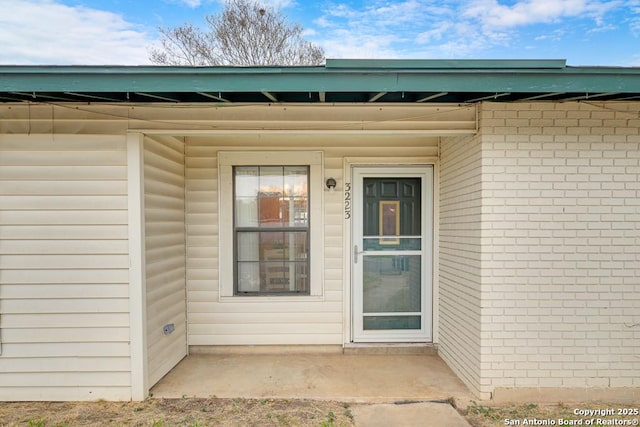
226	161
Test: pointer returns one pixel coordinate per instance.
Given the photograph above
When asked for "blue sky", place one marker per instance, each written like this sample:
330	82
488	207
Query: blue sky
585	32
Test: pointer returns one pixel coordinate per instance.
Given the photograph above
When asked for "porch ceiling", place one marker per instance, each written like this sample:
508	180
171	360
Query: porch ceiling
339	81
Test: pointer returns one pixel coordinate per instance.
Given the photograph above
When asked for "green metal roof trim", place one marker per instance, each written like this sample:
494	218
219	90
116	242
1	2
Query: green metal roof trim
460	81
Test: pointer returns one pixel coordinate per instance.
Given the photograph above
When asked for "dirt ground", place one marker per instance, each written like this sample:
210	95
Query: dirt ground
191	412
194	412
580	414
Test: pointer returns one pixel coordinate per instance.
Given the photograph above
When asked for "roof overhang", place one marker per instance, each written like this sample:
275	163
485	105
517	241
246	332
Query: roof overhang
339	81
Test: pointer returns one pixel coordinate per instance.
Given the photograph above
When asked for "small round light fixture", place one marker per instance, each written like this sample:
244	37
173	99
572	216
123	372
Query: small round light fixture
331	184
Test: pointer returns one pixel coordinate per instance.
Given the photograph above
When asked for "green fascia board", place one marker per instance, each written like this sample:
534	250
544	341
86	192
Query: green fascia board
485	77
505	64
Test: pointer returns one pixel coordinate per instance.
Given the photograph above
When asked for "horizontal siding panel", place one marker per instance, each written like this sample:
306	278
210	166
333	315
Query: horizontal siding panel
166	148
63	188
157	240
56	158
196	319
65	320
172	189
65	276
170	248
266	339
164	267
48	247
201	273
59	393
95	217
86	305
263	307
164	200
88	232
66	291
158	174
173	166
63	203
65	364
71	335
160	228
62	143
95	276
95	349
18	262
64	173
166	299
268	328
162	215
62	379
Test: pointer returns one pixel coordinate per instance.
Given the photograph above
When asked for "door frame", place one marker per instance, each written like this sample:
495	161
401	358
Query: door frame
349	163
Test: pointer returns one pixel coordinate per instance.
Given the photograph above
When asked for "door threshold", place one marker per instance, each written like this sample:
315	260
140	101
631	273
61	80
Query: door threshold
391	348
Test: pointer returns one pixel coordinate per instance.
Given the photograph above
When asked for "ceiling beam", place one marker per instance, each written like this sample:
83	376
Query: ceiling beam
377	96
217	98
541	96
495	96
34	96
100	98
270	96
587	96
434	96
163	98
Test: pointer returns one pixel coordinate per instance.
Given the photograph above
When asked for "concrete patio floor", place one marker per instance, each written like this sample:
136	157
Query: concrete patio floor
363	378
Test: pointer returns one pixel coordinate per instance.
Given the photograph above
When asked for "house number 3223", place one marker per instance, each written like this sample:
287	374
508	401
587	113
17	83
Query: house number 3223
347	200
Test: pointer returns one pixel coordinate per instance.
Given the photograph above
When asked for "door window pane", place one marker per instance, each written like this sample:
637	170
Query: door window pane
391	284
377	323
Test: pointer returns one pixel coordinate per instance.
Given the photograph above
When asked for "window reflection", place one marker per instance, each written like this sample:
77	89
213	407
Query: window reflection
271	221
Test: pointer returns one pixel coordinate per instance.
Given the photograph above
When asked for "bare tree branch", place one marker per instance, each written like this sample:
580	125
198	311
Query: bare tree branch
245	33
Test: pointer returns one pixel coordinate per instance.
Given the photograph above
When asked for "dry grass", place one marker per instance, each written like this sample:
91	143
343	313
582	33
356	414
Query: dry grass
177	412
490	416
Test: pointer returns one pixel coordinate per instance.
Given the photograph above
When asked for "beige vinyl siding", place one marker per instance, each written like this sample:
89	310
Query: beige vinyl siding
164	254
64	268
460	257
298	320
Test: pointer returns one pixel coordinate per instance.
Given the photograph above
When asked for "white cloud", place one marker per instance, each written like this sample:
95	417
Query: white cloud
189	3
434	34
47	32
277	4
492	13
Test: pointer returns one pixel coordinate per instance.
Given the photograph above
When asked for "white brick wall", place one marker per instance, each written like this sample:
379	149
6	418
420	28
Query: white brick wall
460	203
560	234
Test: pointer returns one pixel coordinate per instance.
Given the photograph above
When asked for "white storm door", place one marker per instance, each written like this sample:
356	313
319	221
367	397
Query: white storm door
392	254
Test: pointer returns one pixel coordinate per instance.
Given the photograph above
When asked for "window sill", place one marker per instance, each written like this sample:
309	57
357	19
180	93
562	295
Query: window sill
274	298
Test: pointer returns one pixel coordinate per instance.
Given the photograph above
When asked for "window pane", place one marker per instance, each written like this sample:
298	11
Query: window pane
301	276
248	277
272	246
248	246
247	184
296	246
296	192
275	276
271	196
269	200
247	181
